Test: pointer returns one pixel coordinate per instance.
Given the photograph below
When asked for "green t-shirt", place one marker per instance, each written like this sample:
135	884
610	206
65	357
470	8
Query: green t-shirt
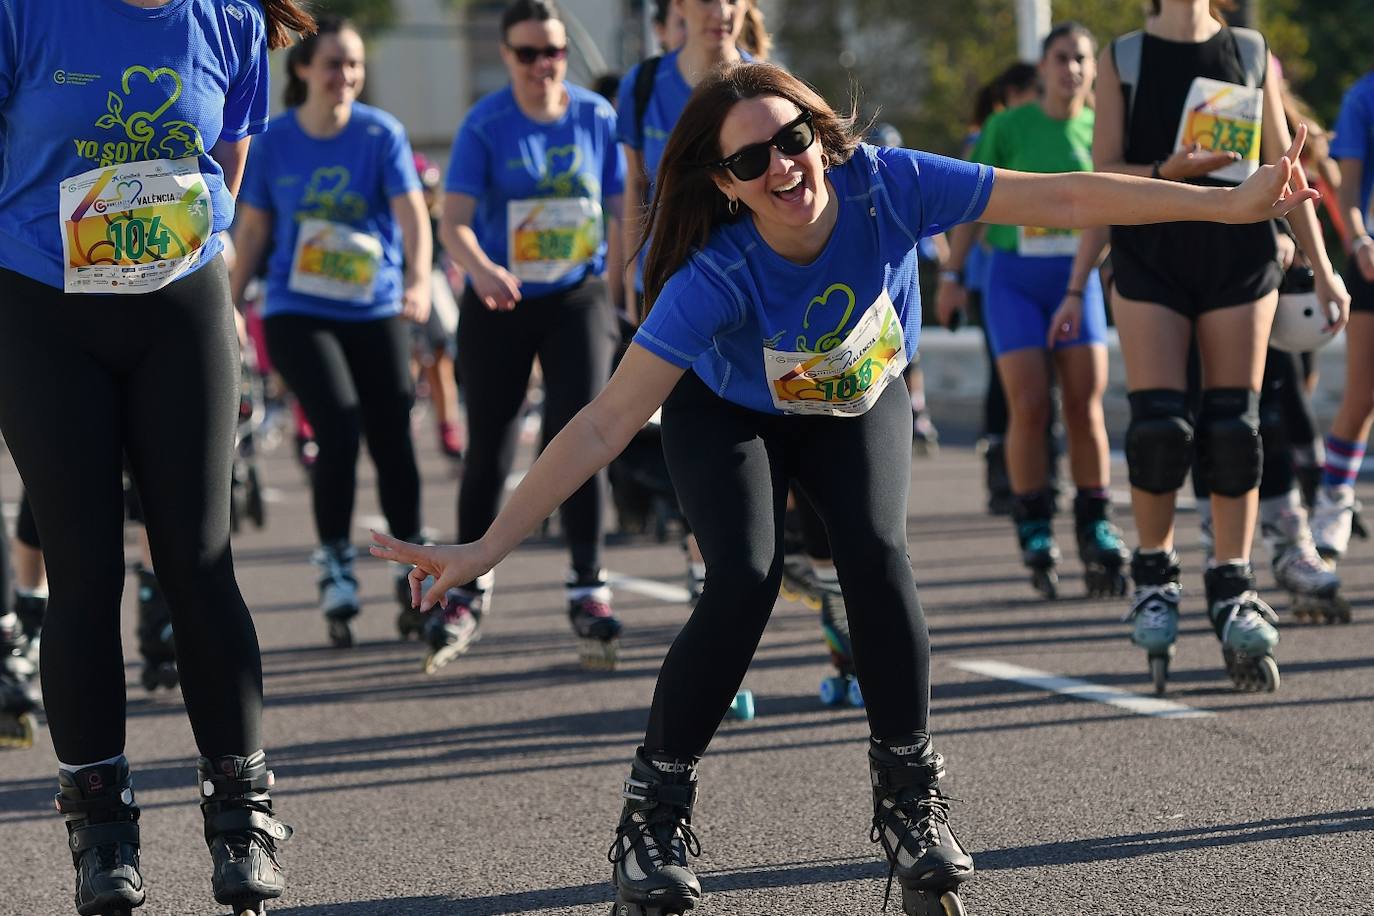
1025	139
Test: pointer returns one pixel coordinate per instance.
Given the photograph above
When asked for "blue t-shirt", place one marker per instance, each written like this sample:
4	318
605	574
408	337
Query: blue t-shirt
89	84
737	296
667	99
348	180
513	164
1355	137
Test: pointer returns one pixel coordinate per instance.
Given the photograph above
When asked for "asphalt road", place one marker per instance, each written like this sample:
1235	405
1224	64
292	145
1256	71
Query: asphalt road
493	787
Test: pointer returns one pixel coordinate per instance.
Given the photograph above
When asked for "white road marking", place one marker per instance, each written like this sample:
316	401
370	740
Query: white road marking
1084	690
673	594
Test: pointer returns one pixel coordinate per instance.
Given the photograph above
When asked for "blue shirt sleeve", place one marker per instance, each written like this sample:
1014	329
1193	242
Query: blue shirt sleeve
613	166
627	130
256	190
934	193
245	102
1353	126
469	167
686	317
398	166
9	47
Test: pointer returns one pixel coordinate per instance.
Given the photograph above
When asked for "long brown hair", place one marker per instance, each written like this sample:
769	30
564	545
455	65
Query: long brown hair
687	204
754	37
283	18
1219	9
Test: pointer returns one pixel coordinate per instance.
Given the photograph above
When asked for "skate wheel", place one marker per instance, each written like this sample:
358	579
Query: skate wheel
1268	672
951	905
1159	674
833	691
742	708
853	695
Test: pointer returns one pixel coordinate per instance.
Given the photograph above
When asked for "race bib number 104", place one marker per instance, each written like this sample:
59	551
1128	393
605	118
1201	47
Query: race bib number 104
133	228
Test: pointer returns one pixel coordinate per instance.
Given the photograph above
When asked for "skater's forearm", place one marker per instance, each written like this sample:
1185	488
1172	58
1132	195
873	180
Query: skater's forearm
593	438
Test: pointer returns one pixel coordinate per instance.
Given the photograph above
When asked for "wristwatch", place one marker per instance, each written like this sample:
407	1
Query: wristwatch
952	276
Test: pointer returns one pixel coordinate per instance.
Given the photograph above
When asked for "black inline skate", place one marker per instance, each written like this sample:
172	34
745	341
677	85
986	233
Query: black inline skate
911	821
1100	547
1246	626
18	690
241	832
594	624
650	872
102	833
1035	534
452	626
31	609
155	642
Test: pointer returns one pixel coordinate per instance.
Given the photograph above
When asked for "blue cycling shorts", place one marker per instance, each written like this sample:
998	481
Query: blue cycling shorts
1022	295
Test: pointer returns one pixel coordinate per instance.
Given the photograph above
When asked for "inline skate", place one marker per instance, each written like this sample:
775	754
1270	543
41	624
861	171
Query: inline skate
650	871
338	591
97	803
241	832
1100	547
843	687
452	626
1314	589
31	608
799	581
155	639
1035	534
18	692
1245	625
1154	610
594	624
911	822
1335	518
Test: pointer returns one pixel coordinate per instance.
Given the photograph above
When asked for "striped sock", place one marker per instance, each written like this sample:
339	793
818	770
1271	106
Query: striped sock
1343	460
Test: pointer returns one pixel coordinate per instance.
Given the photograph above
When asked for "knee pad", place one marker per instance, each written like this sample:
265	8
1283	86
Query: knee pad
1232	453
1159	441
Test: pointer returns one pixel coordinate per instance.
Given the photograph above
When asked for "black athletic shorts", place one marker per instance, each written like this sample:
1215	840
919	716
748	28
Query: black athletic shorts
1194	268
1361	290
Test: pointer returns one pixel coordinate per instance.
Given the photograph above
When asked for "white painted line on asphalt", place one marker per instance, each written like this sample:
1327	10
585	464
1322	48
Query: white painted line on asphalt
673	594
1084	690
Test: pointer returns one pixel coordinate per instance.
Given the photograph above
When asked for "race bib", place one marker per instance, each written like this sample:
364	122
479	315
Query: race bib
1224	118
335	261
846	381
1037	242
133	228
549	237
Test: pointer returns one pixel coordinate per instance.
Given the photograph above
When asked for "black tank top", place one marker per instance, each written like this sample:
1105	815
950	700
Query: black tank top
1167	71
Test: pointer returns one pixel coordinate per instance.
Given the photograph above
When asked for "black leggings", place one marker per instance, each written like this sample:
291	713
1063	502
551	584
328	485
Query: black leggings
731	467
152	378
574	334
352	379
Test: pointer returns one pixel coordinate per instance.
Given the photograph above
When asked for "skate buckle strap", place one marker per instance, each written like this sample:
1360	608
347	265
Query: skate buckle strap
678	796
245	820
101	803
92	835
217	785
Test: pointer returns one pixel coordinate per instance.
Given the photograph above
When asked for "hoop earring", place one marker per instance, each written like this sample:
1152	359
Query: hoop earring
733	206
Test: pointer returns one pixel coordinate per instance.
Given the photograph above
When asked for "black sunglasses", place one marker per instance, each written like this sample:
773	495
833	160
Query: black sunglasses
528	55
794	138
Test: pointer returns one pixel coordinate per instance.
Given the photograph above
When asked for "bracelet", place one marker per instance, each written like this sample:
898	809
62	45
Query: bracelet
1076	293
1360	242
952	276
1154	171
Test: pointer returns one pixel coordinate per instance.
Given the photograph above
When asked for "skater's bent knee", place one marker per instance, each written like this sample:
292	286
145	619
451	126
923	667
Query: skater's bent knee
1159	441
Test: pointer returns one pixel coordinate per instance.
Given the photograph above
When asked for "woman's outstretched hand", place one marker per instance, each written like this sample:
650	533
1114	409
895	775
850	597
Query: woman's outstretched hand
451	565
1275	189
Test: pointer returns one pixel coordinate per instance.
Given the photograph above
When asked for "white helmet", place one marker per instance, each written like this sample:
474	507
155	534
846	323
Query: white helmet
1301	324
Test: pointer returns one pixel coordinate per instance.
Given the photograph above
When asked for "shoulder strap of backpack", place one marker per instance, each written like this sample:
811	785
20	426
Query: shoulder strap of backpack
1254	55
1126	52
644	89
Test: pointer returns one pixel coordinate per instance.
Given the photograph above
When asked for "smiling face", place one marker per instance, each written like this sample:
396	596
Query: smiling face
792	194
336	71
544	73
711	24
1068	68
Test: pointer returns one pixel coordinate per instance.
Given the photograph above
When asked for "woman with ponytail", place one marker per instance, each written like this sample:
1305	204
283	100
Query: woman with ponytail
784	303
124	146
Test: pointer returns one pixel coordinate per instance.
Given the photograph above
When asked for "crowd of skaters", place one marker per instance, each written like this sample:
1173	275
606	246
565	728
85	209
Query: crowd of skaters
750	237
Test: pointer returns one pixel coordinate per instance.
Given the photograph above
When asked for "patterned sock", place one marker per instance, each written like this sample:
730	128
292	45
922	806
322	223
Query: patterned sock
1343	460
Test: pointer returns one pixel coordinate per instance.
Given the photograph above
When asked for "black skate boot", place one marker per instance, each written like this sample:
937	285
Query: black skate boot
1035	534
31	609
650	874
18	692
102	833
155	641
1246	626
241	832
911	821
594	624
1100	547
